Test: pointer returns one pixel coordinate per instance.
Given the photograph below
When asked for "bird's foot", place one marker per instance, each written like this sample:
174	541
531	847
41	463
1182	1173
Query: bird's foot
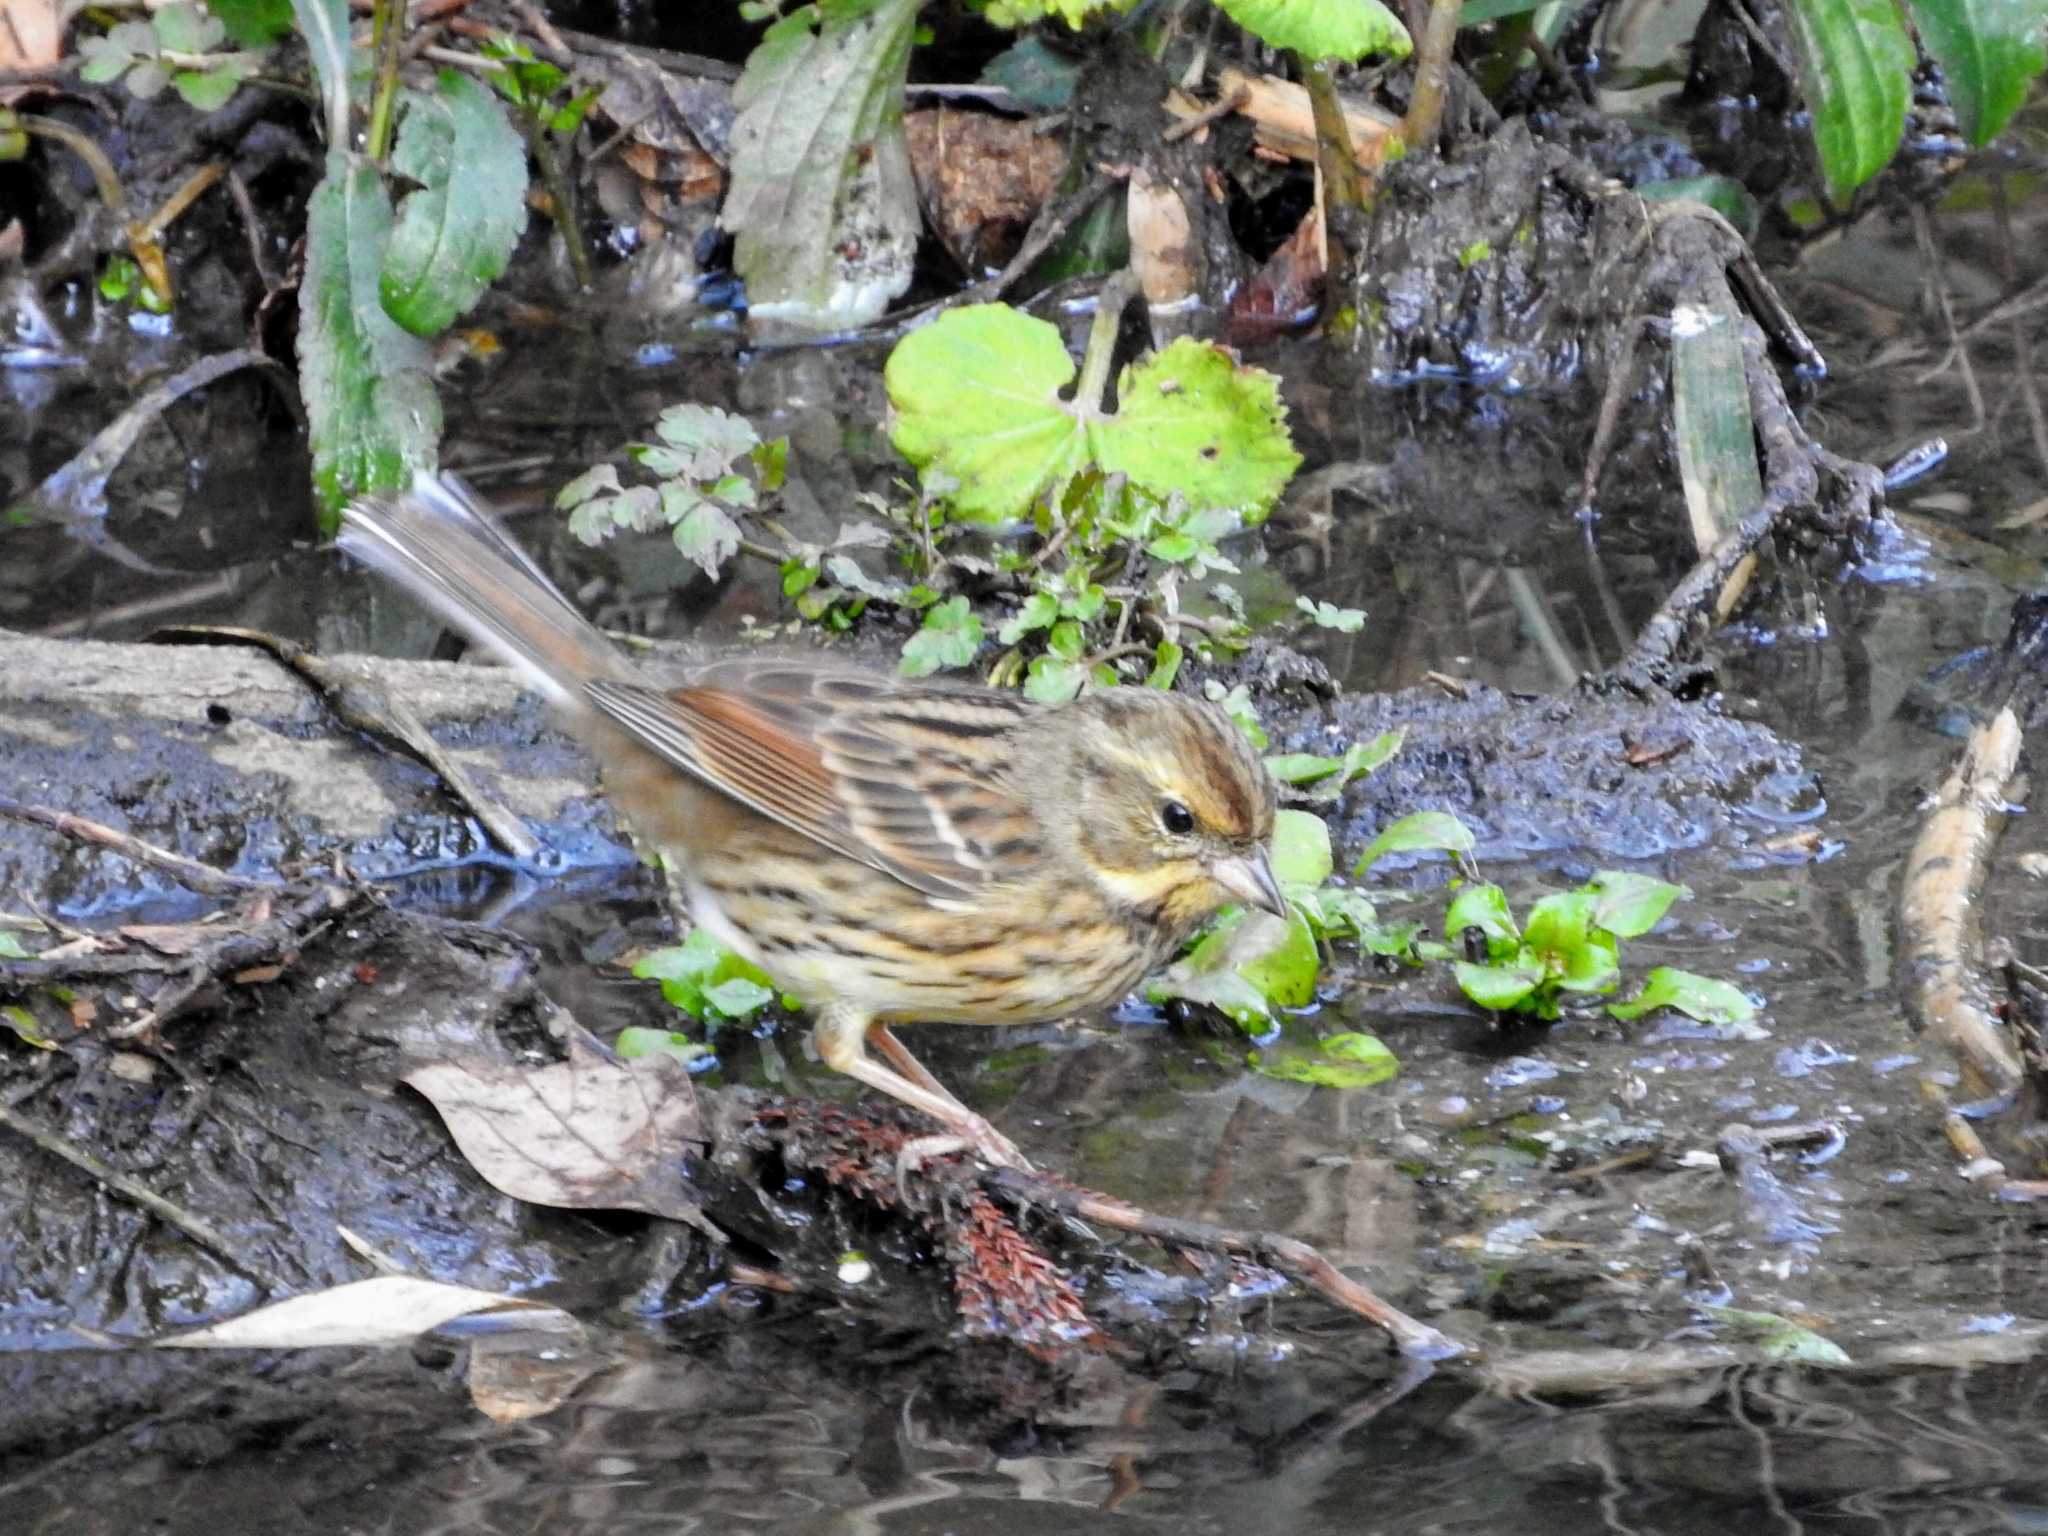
975	1135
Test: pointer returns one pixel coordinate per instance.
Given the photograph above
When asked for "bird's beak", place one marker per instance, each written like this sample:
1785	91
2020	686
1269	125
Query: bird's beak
1250	880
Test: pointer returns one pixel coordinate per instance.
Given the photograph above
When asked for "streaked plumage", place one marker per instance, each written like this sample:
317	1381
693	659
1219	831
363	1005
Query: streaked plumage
886	850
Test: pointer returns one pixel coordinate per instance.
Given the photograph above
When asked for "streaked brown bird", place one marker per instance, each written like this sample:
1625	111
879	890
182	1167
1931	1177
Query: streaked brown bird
888	851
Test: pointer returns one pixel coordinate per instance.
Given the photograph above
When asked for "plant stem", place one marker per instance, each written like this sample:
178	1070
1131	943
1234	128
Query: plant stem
388	31
559	204
1109	313
1432	73
1343	197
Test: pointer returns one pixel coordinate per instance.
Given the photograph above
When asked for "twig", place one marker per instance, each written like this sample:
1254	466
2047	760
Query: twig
203	878
1231	100
164	1210
1289	1255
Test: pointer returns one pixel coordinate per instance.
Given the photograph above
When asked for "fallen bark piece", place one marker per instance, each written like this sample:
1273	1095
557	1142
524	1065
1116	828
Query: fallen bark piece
1941	976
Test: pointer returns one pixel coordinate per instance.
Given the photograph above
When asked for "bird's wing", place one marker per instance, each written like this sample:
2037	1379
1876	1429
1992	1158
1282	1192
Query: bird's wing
913	781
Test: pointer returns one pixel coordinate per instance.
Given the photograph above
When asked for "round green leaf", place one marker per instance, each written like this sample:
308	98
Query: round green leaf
1301	849
1323	29
1193	420
976	398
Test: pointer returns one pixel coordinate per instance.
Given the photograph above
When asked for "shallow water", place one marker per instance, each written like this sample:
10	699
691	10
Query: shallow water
1458	1188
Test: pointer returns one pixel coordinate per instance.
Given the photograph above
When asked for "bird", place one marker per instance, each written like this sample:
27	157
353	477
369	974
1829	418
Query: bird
888	850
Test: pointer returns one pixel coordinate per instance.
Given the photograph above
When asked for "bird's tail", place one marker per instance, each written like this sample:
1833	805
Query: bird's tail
441	544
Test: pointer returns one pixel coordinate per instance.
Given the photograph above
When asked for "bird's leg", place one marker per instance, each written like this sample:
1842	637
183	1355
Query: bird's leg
842	1034
883	1039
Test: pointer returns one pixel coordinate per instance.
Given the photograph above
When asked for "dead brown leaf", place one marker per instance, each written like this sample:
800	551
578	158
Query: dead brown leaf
590	1133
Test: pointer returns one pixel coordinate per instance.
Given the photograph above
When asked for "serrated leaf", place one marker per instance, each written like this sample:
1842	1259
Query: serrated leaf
950	636
598	478
1245	967
1857	63
636	1041
819	166
692	971
373	416
738	996
1323	29
456	231
1038	612
1053	679
1194	421
976	398
709	440
1420	831
1988	51
1021	13
707	536
207	90
184	28
1330	616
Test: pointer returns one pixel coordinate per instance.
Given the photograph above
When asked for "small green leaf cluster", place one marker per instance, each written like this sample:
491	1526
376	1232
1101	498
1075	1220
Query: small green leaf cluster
707	981
542	92
708	467
178	46
1571	943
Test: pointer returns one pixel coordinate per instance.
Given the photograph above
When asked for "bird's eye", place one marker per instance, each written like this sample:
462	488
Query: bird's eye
1176	818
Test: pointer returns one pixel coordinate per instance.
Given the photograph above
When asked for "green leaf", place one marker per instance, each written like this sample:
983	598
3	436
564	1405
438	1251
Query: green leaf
1857	63
1484	907
1333	773
1329	616
1699	997
1323	29
1301	849
636	1041
11	946
819	165
1710	418
1066	641
372	413
707	536
976	398
709	440
1053	679
1502	988
1193	420
1629	905
1422	830
700	976
209	90
1988	50
1780	1338
1340	1061
253	23
1021	13
738	996
323	24
1039	610
1560	922
1166	660
1245	966
1236	702
455	234
950	637
183	27
24	1024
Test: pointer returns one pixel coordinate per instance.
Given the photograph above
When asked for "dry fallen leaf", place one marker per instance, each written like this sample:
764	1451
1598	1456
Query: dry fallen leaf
590	1133
389	1309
